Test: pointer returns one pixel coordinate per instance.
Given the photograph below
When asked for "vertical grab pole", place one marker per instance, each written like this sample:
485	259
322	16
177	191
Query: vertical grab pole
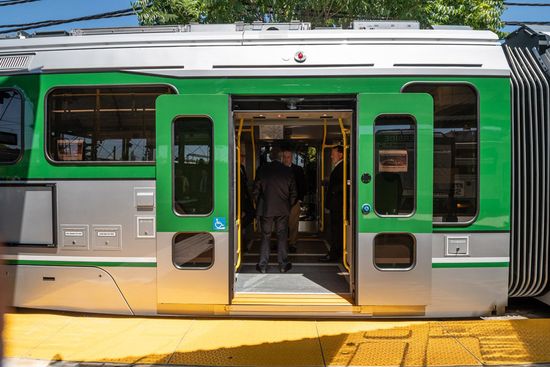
344	194
253	139
323	146
239	214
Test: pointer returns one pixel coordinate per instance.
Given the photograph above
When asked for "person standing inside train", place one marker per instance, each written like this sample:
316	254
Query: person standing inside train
335	204
294	218
275	193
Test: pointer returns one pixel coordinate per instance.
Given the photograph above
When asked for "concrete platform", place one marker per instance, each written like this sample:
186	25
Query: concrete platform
49	339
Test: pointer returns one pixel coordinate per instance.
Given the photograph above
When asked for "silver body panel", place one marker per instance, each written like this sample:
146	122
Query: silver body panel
66	288
143	290
90	208
193	286
393	287
470	291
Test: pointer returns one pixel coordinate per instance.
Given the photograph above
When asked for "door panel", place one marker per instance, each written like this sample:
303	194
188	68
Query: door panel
394	190
192	199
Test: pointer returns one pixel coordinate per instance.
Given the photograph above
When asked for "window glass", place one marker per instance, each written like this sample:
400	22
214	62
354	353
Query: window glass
394	251
456	170
193	166
395	165
11	126
193	250
103	124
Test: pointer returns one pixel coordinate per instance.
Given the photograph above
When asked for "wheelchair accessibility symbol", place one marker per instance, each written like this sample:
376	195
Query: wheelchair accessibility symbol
219	224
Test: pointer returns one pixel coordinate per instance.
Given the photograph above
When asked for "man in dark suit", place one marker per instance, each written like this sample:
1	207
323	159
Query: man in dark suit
294	217
334	203
275	193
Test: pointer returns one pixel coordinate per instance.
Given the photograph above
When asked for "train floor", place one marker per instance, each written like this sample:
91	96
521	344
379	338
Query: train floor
40	339
307	276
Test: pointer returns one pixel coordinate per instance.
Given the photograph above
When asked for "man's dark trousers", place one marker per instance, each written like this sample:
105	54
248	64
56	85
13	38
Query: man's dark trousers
281	228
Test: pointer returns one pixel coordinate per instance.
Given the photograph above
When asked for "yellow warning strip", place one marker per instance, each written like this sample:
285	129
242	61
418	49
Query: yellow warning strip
245	342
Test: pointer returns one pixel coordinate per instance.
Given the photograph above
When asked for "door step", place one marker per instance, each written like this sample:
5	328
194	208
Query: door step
292	303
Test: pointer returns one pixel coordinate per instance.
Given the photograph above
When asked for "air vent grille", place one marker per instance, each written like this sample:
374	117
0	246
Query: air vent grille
19	62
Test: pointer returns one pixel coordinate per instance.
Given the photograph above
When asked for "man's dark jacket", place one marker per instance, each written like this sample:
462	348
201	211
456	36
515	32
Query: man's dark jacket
334	199
274	190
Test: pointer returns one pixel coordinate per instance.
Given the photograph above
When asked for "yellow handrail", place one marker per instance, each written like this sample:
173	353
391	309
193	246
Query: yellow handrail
344	194
323	147
239	214
253	139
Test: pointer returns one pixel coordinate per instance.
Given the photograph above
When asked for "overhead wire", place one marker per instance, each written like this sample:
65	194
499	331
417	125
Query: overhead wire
15	2
47	23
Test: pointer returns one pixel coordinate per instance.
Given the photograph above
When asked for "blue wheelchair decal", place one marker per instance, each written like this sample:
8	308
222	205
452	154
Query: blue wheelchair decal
219	224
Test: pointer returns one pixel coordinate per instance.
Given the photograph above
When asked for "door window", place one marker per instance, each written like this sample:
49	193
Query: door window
395	165
193	166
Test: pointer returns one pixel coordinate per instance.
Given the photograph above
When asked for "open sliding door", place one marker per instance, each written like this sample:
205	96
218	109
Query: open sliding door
394	187
192	186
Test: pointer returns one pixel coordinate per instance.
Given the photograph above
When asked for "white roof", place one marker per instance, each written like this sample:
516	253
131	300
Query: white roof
261	53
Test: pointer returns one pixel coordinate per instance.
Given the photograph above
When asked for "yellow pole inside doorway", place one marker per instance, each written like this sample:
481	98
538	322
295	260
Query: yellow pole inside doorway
239	214
323	147
344	194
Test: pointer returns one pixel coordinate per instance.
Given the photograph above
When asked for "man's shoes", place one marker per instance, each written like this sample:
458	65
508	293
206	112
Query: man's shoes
292	249
327	259
286	267
261	269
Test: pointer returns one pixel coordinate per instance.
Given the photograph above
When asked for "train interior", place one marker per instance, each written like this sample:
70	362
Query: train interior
309	128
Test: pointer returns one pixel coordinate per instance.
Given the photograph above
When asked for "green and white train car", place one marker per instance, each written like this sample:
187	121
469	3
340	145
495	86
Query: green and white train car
119	192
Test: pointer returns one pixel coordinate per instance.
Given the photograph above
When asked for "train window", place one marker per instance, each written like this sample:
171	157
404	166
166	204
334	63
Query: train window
11	126
193	166
395	165
193	250
102	124
456	165
394	251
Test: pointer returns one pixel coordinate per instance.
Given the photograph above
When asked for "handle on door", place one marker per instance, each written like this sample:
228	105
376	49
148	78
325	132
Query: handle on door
366	209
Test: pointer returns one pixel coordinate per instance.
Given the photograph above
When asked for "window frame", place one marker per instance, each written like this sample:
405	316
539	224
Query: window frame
173	165
197	267
22	126
47	125
415	248
478	150
415	122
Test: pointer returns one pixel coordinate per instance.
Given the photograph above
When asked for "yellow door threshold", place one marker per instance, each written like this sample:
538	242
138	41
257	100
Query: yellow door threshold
292	303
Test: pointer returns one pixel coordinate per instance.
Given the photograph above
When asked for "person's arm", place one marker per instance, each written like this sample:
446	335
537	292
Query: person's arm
293	193
257	191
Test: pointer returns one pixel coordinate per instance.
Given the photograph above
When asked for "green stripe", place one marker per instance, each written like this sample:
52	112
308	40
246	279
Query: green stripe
81	263
503	264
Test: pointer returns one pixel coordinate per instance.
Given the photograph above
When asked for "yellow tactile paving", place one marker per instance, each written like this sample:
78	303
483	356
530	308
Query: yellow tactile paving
505	341
381	343
250	343
240	342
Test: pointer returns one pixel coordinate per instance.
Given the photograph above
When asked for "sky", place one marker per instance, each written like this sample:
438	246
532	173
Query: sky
65	9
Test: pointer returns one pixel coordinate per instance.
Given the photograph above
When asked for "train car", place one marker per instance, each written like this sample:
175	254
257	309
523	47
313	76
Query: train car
125	154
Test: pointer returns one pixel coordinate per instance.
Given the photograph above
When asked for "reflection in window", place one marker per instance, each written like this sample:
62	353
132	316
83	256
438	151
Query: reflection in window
193	250
394	251
193	165
395	158
103	124
456	171
11	123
